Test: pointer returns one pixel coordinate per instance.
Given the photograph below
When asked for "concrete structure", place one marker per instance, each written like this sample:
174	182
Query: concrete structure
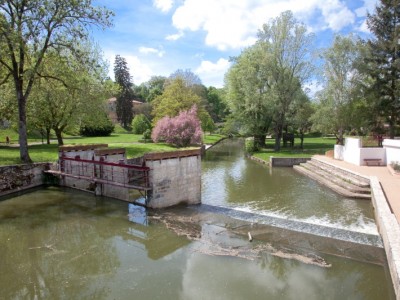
286	161
164	179
385	190
354	153
175	178
21	177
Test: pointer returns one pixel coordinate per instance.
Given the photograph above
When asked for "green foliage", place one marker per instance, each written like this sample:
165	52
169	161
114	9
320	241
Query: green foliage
207	123
147	135
140	124
176	97
264	84
382	62
250	146
33	28
334	111
102	129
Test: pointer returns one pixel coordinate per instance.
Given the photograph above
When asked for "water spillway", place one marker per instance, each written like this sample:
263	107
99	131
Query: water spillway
342	234
244	189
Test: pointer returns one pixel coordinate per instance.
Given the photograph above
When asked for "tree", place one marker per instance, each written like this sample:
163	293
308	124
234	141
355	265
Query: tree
140	124
63	104
176	97
248	96
265	80
341	79
125	96
286	63
28	30
182	130
384	61
216	106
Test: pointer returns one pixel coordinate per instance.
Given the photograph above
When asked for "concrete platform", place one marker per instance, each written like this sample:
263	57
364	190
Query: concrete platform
390	182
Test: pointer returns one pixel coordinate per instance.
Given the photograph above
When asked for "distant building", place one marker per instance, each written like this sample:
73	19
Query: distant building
112	108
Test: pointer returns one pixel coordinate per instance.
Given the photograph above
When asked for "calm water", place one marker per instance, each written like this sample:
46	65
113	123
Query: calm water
65	244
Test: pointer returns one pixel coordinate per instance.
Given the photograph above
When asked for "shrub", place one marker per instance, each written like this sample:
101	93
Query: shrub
97	130
181	131
140	124
250	146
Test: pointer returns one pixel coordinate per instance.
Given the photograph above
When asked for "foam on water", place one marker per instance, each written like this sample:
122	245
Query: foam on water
361	225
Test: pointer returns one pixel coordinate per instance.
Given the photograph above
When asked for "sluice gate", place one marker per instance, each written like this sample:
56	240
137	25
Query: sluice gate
162	179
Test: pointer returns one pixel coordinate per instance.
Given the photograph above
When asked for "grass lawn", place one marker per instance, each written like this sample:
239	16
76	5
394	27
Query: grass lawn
312	146
9	155
212	138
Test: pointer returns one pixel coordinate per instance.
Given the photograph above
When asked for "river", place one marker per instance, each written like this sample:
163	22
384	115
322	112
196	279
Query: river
60	243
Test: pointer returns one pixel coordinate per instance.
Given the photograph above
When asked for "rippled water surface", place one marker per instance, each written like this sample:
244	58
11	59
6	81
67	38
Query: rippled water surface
65	244
231	180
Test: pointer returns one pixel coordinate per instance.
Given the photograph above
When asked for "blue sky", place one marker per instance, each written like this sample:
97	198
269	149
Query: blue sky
157	37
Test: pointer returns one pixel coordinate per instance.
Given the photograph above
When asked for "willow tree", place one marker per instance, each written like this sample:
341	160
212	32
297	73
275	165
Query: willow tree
269	76
28	30
341	79
248	94
287	61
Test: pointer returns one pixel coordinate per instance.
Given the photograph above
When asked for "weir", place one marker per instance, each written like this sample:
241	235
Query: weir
340	234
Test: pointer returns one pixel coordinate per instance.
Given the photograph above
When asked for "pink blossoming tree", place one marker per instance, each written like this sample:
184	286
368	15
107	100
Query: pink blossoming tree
182	130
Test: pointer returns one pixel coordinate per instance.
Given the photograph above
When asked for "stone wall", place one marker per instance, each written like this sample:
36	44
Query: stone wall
175	178
21	177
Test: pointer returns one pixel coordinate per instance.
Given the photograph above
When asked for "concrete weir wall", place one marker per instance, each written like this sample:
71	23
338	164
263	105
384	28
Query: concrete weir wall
175	178
389	230
21	177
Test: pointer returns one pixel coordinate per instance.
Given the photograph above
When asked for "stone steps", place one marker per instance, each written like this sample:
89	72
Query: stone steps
341	181
341	173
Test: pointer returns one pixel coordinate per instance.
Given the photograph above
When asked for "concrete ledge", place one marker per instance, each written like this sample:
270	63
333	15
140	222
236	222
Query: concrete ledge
171	154
389	230
287	161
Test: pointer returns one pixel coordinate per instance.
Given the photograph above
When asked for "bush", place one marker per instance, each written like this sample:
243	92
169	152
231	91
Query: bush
97	130
140	124
250	146
181	131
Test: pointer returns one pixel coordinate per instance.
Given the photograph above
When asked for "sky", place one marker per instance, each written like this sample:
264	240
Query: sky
158	37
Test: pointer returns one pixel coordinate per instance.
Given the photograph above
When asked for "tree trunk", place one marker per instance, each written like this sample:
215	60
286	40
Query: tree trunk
278	135
48	135
59	136
301	138
23	136
339	138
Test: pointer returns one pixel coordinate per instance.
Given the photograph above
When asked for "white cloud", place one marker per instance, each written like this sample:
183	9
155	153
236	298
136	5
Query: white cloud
212	74
163	5
147	50
174	37
234	24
